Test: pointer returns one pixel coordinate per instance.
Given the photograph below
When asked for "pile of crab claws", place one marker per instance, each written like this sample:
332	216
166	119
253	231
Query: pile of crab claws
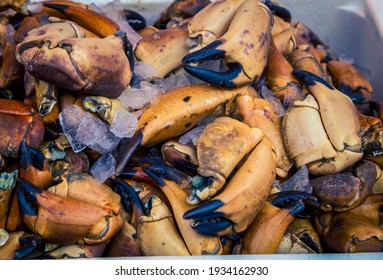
210	52
206	220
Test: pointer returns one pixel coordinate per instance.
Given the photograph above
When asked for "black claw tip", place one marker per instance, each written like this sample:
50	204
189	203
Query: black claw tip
31	157
279	11
135	20
219	79
310	79
58	7
126	150
211	227
27	199
204	211
208	52
129	196
28	244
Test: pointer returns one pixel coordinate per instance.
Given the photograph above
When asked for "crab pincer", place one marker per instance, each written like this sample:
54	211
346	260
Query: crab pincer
234	209
243	46
59	216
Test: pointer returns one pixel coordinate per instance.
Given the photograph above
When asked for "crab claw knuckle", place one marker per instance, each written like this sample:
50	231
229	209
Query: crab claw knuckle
243	47
82	211
328	126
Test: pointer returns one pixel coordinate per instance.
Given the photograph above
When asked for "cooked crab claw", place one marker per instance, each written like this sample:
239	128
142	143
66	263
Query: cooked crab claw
126	150
129	197
233	210
243	46
157	172
71	215
285	199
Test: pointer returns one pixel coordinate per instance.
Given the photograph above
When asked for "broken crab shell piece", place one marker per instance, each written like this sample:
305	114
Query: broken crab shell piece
105	107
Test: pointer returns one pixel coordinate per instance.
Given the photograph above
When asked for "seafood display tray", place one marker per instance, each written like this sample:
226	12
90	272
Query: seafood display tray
352	28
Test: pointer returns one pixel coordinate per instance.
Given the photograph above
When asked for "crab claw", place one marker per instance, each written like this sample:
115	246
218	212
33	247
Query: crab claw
243	47
67	220
235	208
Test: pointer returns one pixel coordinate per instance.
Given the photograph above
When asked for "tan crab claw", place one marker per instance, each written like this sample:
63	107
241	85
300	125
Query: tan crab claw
196	243
266	232
347	232
235	208
322	130
65	59
67	220
157	232
243	46
221	146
